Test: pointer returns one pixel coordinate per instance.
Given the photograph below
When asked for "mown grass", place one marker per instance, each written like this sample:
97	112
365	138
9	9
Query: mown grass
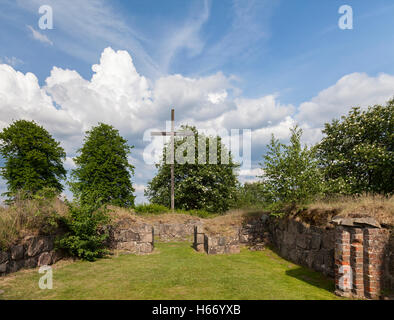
175	271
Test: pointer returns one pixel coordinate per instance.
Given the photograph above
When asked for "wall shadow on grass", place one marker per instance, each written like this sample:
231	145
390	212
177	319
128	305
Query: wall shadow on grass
313	278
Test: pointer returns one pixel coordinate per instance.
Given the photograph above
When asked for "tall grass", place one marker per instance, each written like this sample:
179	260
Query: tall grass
37	215
377	206
10	226
150	209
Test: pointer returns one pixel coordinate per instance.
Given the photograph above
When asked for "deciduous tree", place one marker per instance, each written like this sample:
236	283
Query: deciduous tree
357	152
290	172
33	159
103	173
206	186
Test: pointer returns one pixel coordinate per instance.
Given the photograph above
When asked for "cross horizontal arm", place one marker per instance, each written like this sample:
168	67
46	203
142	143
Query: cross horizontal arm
163	133
160	133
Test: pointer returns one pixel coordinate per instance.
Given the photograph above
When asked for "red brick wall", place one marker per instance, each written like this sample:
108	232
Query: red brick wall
360	261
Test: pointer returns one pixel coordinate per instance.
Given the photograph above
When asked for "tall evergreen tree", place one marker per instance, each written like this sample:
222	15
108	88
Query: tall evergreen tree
103	173
33	159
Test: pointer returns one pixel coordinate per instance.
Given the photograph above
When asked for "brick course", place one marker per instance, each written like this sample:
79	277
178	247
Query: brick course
360	259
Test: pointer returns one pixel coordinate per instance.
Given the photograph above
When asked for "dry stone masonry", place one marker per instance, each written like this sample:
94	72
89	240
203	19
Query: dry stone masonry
221	244
166	232
33	251
131	237
199	239
254	233
309	246
215	244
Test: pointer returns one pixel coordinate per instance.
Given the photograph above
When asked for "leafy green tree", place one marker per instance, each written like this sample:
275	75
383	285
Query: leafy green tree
249	195
356	153
103	173
198	185
290	172
33	159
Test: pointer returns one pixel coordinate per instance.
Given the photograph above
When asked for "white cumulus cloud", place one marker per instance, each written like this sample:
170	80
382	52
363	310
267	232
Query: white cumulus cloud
117	94
352	90
255	113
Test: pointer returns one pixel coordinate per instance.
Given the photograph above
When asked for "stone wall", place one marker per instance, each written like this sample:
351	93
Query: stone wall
172	231
199	239
33	251
388	268
306	245
215	244
131	237
255	233
300	243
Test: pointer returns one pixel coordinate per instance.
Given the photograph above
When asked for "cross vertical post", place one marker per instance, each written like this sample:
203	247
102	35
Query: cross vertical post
172	160
172	133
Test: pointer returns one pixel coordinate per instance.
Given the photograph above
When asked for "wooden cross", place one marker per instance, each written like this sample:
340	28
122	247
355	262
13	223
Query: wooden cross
172	133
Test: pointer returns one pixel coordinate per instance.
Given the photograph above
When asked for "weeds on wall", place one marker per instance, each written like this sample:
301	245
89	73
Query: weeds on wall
28	213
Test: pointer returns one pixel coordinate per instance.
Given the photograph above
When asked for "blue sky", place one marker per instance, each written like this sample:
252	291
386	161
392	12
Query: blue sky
287	59
292	47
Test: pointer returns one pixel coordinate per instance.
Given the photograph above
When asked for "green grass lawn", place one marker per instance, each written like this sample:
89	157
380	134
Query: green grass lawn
174	271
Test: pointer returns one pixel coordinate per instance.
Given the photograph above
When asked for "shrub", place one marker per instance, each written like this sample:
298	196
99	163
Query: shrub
84	237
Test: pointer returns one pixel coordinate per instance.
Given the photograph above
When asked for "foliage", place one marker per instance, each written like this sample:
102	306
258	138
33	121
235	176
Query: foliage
198	183
290	172
356	153
249	195
103	172
38	213
84	237
158	209
33	159
151	208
